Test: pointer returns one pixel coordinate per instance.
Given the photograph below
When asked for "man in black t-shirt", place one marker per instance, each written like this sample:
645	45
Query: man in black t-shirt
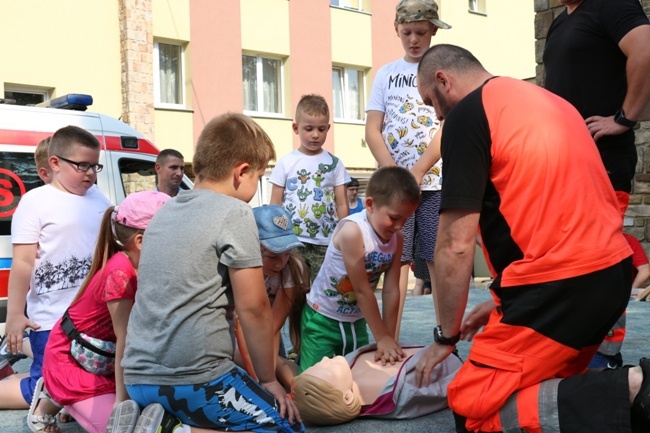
597	56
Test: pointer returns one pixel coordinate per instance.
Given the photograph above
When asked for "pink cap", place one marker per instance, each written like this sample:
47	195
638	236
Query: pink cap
138	208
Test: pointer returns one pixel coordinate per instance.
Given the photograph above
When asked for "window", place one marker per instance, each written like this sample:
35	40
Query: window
356	5
477	6
22	96
347	84
139	175
168	75
262	84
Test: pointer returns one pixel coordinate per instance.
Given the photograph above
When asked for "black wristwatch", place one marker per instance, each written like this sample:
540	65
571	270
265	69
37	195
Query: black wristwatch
441	339
619	117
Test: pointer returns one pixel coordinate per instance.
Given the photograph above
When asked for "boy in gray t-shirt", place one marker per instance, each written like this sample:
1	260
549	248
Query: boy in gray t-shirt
200	258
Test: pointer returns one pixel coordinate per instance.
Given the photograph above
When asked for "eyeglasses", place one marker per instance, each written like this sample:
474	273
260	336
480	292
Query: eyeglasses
83	166
353	188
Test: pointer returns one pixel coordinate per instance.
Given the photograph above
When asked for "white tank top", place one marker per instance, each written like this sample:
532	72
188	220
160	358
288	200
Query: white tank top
332	294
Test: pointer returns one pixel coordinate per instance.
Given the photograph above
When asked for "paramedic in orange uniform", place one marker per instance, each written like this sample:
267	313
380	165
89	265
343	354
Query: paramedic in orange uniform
522	168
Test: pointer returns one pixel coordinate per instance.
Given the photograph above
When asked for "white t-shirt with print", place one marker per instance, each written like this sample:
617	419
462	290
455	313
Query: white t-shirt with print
332	294
308	182
65	226
409	124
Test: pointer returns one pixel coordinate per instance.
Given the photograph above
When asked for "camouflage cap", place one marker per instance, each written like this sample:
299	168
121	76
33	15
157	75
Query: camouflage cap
408	11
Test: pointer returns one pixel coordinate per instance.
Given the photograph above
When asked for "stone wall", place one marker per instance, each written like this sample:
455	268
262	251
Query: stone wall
637	221
136	50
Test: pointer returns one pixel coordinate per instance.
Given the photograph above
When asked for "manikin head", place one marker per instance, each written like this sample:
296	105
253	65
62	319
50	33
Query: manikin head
326	394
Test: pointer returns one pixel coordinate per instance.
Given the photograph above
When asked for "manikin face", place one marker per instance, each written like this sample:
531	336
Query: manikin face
336	372
416	38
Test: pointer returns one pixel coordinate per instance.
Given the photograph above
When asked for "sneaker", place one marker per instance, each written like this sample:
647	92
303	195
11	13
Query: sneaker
154	419
10	357
642	401
123	418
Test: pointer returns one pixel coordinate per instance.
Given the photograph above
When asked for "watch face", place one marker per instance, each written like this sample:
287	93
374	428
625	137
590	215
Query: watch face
620	118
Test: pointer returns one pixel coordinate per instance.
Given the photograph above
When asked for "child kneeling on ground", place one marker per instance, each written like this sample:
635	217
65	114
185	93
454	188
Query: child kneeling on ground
201	260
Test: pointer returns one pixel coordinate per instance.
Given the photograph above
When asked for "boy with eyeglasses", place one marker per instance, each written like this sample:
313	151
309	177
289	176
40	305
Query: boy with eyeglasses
53	233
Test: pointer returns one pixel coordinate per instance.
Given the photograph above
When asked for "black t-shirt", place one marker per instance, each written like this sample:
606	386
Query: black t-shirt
585	66
583	62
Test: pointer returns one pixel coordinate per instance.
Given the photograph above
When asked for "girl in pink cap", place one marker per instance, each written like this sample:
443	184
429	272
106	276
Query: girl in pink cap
81	369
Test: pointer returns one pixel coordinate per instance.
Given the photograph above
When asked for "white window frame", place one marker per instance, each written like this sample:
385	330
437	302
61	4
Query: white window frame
348	4
46	93
477	6
259	91
156	76
347	117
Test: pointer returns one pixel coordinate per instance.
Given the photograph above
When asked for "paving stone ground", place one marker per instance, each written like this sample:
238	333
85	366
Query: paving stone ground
417	326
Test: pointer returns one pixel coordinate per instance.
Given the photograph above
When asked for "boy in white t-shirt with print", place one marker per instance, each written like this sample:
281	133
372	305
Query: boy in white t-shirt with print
400	128
53	232
310	182
364	246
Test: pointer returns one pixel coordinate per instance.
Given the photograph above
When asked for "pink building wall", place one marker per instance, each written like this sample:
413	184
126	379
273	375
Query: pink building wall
215	60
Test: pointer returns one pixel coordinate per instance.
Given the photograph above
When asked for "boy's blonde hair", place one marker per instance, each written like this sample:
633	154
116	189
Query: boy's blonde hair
312	104
388	185
64	140
40	154
227	141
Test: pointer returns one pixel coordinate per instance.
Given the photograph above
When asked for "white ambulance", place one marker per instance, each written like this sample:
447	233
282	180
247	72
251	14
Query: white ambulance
128	159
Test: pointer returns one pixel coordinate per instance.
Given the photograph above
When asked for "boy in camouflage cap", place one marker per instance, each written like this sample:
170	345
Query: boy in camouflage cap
399	127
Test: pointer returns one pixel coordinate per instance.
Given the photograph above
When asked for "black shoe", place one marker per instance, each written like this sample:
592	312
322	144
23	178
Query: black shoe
641	403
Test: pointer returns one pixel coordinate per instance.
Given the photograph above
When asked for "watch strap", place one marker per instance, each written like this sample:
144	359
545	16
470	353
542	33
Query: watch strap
439	338
619	117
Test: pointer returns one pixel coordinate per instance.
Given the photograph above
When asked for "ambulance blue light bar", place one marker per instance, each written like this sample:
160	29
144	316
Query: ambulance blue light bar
71	101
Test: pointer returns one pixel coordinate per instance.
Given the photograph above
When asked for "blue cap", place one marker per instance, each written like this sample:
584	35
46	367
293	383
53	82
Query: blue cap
275	228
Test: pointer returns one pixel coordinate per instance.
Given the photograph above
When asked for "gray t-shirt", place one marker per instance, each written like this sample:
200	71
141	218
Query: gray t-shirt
179	329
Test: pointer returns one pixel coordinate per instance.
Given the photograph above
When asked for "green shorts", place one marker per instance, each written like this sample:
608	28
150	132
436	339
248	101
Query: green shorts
325	337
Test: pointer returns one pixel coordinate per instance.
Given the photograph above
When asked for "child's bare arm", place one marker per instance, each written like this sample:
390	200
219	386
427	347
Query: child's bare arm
24	256
390	294
350	242
341	199
277	194
284	299
430	156
254	311
120	310
376	144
